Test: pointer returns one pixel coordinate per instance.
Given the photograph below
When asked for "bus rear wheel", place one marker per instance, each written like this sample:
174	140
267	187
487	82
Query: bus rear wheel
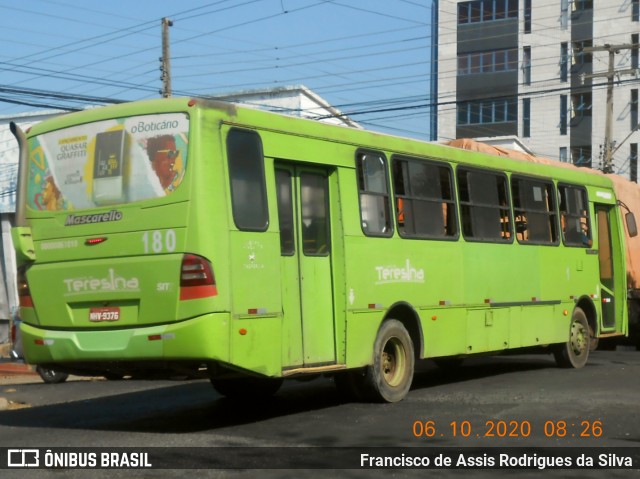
575	352
51	376
389	378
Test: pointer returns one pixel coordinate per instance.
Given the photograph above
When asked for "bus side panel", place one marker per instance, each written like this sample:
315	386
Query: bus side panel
444	331
362	328
255	344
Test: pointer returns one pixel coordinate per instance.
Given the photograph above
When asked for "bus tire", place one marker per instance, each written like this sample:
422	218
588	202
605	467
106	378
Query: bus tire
51	376
247	387
389	378
575	352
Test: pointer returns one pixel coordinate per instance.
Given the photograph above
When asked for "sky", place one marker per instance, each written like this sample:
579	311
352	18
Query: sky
369	58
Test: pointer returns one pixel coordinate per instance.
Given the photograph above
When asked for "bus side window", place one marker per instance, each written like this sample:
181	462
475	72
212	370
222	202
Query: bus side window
534	208
424	199
246	174
574	216
484	206
373	187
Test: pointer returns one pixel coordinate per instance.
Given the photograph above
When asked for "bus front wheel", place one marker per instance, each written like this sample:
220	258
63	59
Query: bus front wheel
389	378
575	352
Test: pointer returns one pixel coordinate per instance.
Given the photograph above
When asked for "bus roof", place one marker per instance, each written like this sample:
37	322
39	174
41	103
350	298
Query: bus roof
265	120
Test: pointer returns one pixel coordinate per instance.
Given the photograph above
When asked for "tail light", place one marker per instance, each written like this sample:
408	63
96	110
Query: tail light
24	294
14	333
196	278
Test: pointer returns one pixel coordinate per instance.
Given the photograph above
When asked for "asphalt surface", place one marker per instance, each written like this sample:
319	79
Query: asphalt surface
175	414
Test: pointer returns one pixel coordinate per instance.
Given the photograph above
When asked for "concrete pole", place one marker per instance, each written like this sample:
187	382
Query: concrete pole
165	60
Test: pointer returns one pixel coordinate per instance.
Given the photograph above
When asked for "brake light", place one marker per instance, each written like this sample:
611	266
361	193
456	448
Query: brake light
24	293
95	241
196	278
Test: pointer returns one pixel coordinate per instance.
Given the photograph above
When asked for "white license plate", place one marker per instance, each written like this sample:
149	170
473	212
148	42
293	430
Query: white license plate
104	314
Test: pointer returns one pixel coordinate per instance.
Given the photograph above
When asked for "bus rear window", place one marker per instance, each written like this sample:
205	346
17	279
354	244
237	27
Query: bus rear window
110	162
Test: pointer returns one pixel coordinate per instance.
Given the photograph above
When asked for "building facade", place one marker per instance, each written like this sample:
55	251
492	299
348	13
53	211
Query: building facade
546	72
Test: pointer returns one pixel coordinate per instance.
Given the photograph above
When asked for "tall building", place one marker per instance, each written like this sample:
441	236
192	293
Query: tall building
543	71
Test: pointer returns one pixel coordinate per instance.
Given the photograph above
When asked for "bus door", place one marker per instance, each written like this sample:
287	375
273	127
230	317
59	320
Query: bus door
605	216
307	287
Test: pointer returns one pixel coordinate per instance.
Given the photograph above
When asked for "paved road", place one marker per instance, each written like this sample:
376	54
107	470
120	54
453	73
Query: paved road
539	404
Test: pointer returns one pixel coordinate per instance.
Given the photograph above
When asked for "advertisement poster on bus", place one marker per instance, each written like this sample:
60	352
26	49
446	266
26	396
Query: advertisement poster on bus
109	162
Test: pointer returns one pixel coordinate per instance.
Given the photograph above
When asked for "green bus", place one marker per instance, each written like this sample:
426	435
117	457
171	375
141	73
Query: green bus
180	233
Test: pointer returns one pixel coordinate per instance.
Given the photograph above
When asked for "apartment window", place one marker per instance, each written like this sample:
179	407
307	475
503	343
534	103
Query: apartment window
633	162
579	5
635	10
635	39
564	14
581	155
487	11
424	197
579	56
526	65
484	205
484	112
564	114
562	156
527	16
564	61
581	104
488	61
634	109
526	117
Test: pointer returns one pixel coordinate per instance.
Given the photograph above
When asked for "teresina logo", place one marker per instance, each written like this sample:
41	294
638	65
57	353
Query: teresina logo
113	215
112	282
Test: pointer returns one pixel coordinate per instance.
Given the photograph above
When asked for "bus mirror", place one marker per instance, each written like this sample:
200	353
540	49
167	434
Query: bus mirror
632	228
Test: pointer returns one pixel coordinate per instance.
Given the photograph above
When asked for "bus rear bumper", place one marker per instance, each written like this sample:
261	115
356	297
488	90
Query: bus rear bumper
204	338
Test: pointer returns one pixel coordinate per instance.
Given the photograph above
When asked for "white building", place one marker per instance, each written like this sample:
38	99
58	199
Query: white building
291	100
517	67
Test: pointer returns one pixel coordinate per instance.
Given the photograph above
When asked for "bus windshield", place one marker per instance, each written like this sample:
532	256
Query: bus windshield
111	162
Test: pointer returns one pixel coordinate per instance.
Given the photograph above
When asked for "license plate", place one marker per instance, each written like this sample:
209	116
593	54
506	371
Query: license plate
104	314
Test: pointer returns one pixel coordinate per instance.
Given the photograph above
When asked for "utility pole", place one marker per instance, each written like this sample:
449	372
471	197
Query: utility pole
165	59
607	163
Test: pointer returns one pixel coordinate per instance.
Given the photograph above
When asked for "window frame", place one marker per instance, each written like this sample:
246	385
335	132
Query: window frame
553	213
304	234
509	233
575	244
286	215
452	202
262	182
360	153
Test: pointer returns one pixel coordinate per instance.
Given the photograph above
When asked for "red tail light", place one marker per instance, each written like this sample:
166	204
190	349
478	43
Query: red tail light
196	278
24	294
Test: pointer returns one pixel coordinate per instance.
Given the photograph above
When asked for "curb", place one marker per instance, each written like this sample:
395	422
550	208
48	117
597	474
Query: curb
8	367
